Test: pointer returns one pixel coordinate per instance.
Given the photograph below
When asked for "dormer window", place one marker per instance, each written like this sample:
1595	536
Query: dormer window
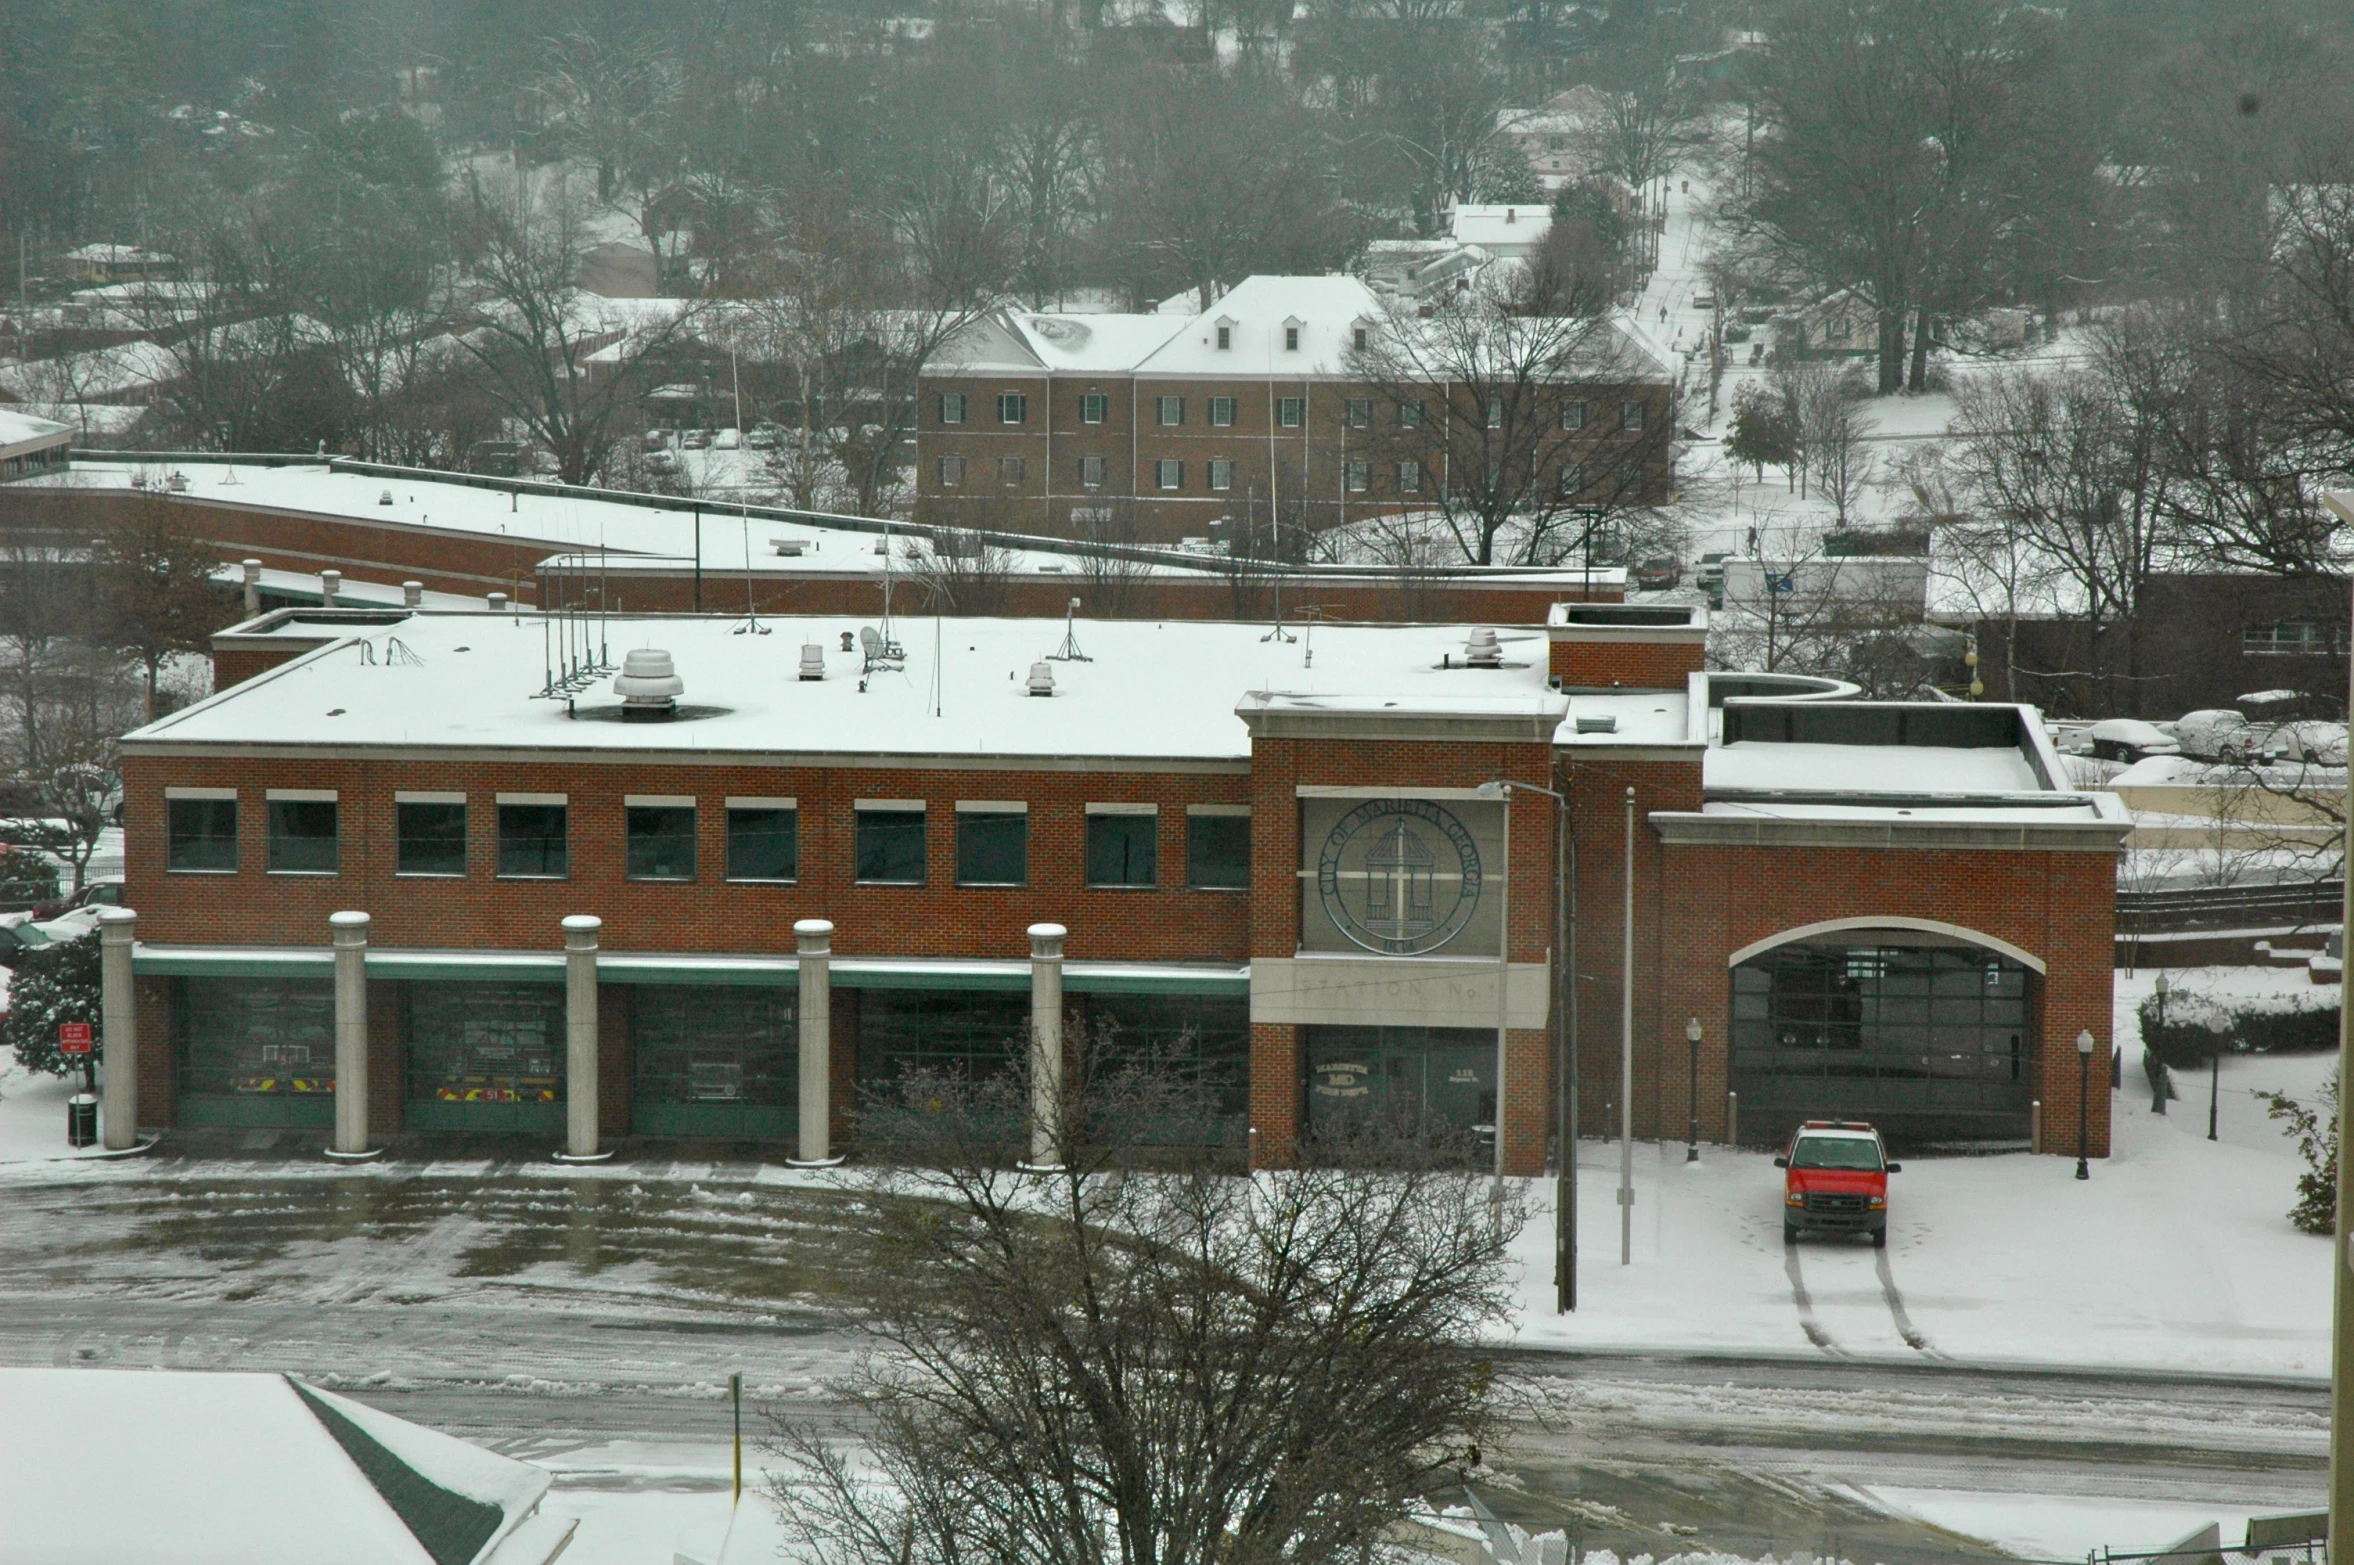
1225	336
1291	336
1358	338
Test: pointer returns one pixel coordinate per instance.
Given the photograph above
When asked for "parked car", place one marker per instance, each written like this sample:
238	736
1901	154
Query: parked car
1836	1181
763	437
94	894
2216	734
696	440
1655	574
2130	739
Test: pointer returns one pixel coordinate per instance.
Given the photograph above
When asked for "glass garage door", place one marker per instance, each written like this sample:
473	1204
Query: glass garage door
485	1056
715	1061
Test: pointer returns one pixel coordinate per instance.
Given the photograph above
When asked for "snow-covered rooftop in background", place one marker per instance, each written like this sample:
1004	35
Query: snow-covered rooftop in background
245	1469
1505	228
21	432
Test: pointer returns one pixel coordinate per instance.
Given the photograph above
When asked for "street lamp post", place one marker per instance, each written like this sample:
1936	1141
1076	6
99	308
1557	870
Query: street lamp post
2159	1086
2214	1086
1565	1178
1692	1037
2084	1046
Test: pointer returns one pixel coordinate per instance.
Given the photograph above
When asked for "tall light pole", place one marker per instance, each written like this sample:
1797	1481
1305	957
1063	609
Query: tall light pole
2084	1044
2341	1366
1564	1049
1626	1052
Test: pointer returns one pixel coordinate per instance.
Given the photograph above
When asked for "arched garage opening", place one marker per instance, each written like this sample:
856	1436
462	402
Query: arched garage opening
1927	1030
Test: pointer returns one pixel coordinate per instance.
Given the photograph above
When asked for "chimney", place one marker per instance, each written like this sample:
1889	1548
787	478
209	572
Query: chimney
648	685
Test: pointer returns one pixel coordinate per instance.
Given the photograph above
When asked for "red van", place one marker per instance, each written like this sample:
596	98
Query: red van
1837	1181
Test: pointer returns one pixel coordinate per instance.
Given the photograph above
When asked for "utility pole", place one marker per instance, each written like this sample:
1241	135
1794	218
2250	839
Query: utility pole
2341	1366
1626	1052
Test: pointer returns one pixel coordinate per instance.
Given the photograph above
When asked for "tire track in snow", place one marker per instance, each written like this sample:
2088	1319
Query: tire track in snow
1896	1310
1806	1304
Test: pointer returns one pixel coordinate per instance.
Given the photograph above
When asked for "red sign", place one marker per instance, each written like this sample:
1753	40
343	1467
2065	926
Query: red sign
73	1037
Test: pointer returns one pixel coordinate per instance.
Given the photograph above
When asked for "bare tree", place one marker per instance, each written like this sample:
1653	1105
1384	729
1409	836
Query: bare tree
1523	433
156	598
1139	1355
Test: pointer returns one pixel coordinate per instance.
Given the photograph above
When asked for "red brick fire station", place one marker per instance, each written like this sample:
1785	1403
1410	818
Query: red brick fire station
598	862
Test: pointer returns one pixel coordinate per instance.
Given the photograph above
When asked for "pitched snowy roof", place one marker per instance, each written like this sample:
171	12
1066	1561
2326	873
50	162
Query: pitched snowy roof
246	1469
1256	313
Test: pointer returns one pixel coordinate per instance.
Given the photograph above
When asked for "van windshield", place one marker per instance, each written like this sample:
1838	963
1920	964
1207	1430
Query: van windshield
1836	1152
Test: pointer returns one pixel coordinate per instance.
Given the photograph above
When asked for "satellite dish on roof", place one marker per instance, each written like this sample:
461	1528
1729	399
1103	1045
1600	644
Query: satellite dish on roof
869	638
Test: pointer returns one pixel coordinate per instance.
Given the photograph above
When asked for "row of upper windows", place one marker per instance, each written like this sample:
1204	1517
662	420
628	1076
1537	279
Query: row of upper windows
890	844
1013	407
1169	474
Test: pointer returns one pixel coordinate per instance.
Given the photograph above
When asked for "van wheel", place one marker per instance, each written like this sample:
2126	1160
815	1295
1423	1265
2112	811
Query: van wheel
1789	1233
1879	1238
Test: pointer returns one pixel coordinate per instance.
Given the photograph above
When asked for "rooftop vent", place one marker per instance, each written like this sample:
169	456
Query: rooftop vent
497	602
792	548
413	594
648	685
1607	723
1041	679
385	498
1483	650
813	660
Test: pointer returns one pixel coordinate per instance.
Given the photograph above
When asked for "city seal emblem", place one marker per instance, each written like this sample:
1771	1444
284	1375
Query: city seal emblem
1399	876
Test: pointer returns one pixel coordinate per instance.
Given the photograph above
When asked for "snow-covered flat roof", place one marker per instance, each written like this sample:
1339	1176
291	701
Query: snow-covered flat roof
20	432
1147	691
1854	768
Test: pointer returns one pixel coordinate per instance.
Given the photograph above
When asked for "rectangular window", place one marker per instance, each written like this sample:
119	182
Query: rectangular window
1123	845
1291	339
1360	412
1218	847
429	836
1222	412
661	838
1359	338
1289	411
531	838
1360	477
1573	478
888	845
1630	415
1495	412
1409	478
1170	411
202	833
763	839
1169	474
302	833
951	471
1093	406
1010	469
992	843
2293	638
1221	473
951	407
1409	415
1091	472
1012	408
1573	415
1225	338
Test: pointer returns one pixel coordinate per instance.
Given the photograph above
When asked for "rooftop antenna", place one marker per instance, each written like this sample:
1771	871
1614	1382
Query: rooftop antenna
751	625
1069	651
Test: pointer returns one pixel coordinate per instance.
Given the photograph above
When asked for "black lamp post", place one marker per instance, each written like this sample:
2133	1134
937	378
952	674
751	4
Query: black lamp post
2214	1086
2160	1085
2084	1045
1692	1037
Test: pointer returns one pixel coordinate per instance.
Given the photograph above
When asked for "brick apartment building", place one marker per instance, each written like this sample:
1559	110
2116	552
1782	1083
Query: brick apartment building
1249	418
1285	857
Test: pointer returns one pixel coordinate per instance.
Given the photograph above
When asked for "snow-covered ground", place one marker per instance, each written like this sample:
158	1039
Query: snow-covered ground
2175	1255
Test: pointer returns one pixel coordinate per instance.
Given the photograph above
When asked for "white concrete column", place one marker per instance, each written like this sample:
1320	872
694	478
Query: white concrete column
1046	1040
350	934
253	587
815	937
118	1013
580	1034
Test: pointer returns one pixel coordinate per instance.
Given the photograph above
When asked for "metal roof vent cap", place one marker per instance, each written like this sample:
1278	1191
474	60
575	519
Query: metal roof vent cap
1483	650
1041	679
648	685
813	660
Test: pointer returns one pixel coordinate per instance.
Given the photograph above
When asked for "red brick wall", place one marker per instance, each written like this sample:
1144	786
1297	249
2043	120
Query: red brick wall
1279	766
940	919
1638	665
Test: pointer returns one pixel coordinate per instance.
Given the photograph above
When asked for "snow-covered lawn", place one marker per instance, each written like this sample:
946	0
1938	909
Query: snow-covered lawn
2175	1255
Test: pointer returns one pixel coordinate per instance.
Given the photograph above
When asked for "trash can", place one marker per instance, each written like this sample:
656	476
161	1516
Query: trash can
81	1120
